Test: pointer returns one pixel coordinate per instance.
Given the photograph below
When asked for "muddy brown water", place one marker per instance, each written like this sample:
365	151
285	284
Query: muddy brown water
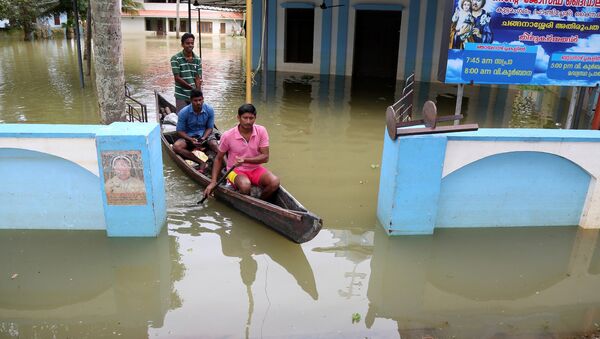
215	273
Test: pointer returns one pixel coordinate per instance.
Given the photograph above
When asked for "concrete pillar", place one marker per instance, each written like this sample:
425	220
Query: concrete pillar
409	190
131	179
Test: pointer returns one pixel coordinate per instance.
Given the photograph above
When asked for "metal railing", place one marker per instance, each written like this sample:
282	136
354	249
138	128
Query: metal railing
135	110
404	106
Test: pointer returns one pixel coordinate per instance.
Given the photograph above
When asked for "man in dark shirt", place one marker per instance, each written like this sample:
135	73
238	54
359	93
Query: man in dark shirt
195	125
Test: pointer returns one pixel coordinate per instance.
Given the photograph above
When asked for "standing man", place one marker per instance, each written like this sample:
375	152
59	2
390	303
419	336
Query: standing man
187	71
195	125
247	148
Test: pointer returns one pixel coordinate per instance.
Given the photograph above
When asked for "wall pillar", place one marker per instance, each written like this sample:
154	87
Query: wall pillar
409	190
131	179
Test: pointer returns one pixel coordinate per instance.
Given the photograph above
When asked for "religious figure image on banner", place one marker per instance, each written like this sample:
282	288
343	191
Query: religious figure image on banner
517	42
124	178
470	23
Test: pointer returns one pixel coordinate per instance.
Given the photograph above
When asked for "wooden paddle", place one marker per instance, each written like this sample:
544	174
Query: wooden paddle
218	183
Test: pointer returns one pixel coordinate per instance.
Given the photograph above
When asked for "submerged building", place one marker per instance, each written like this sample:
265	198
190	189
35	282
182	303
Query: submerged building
383	39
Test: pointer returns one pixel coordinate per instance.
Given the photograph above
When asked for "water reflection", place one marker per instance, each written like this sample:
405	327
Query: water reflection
355	247
79	284
246	242
503	283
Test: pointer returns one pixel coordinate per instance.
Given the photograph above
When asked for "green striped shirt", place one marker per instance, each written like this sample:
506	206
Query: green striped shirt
187	71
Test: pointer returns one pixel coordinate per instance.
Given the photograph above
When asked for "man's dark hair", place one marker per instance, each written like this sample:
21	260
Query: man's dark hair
196	93
247	108
186	36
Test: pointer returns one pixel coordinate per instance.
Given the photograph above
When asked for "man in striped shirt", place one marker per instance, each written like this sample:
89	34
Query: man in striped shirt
187	71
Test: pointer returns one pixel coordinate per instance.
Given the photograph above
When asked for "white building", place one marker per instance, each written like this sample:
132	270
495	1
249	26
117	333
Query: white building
53	21
160	19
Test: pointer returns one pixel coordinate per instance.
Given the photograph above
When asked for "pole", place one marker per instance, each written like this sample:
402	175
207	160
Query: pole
265	47
572	107
199	35
189	16
248	51
459	98
78	43
596	120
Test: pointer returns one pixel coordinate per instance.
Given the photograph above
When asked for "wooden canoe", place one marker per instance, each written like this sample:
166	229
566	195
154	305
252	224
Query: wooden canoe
283	213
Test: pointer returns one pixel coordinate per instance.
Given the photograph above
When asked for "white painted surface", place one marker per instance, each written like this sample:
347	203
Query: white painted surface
80	151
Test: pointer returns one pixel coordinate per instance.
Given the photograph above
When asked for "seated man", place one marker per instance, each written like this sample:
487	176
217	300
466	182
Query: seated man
195	125
247	147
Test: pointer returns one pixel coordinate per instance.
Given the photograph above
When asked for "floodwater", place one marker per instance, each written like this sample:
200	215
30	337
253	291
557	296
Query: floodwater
214	273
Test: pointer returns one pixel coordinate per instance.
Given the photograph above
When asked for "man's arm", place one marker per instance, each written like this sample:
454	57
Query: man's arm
262	158
206	134
198	81
182	82
198	77
181	129
215	173
210	122
185	136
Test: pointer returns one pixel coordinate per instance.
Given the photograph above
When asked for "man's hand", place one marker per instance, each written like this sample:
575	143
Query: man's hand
197	142
239	161
210	188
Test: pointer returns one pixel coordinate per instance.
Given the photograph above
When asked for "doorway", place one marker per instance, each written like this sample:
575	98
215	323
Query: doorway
376	43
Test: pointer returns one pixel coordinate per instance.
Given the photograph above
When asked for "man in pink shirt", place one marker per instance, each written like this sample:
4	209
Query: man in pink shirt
247	147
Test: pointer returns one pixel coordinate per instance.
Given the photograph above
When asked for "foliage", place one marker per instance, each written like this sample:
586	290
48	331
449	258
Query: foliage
23	13
67	6
355	317
131	6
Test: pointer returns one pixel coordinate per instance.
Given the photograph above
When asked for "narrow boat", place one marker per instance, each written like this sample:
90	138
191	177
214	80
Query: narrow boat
283	213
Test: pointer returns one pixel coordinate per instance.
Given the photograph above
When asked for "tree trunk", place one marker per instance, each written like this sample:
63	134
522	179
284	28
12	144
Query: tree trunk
177	22
28	30
69	29
88	41
108	60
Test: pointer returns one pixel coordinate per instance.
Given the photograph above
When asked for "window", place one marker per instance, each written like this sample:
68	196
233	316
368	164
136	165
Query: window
173	25
148	24
299	35
56	19
205	27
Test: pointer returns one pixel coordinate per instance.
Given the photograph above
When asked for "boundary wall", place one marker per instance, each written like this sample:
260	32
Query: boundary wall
490	178
82	177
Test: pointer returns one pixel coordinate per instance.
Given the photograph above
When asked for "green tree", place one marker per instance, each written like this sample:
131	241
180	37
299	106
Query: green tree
24	13
131	6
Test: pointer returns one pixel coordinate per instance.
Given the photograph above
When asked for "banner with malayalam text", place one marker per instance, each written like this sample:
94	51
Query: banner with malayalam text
535	42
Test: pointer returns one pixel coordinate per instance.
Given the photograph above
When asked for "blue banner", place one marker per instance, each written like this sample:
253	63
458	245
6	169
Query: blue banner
538	42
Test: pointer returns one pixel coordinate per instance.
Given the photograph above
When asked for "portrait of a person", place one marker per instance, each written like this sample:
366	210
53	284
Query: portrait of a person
470	23
123	185
462	24
481	33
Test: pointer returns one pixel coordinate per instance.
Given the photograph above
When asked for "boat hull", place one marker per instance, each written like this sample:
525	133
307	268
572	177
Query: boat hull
284	214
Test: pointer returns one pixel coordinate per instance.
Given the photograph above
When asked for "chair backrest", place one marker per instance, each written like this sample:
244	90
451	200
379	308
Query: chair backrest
404	106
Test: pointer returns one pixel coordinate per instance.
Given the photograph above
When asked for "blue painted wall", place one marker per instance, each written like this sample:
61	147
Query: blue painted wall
135	220
521	181
514	189
342	38
412	187
44	191
41	191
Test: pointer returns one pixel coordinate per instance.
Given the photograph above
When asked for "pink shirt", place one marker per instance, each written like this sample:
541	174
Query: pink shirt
234	144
